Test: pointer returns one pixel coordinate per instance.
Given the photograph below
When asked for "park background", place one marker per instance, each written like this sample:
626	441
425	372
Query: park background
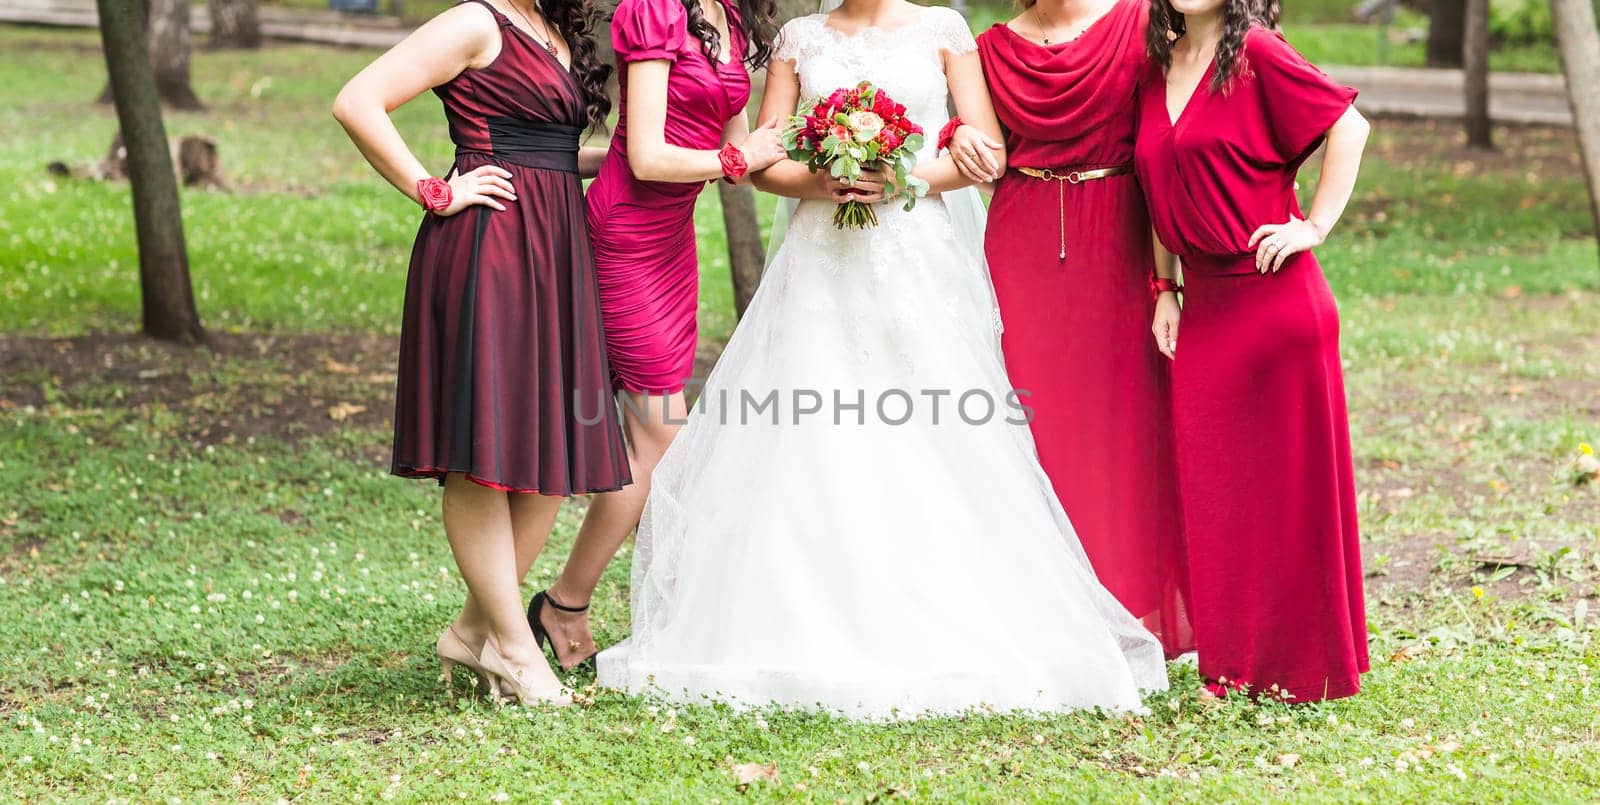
212	589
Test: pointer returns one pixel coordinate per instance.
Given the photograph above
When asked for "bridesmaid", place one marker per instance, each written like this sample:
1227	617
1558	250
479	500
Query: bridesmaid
1069	248
501	341
684	88
1227	113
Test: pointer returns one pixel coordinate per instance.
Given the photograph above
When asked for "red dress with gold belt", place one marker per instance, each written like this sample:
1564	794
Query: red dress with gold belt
1077	328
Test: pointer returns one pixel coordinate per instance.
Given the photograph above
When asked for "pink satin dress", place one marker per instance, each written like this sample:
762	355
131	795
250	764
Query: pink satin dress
644	237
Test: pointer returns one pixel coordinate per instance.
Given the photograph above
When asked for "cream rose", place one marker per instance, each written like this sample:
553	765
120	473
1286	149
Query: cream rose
866	125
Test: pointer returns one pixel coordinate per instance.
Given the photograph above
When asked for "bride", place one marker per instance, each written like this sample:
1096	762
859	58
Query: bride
853	519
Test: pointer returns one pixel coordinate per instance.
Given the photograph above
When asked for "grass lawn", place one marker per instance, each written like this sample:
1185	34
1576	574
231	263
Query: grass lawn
213	590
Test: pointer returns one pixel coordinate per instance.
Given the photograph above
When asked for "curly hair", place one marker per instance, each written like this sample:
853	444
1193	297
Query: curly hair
575	20
1238	16
756	18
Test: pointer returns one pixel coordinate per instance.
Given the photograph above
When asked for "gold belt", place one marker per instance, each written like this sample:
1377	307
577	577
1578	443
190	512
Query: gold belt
1062	178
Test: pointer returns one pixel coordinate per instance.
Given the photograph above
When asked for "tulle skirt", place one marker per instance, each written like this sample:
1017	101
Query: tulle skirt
854	519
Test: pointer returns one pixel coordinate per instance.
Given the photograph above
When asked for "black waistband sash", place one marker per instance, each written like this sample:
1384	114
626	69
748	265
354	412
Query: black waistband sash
551	146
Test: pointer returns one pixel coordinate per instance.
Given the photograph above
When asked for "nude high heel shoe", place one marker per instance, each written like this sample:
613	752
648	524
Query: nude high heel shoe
504	681
452	652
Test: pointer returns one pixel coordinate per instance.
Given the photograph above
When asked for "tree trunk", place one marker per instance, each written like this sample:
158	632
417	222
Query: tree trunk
1579	42
235	24
1475	64
1447	21
746	253
168	44
169	50
169	312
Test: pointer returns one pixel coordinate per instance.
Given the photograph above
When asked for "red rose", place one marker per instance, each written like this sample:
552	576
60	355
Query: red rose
883	106
888	140
899	109
435	192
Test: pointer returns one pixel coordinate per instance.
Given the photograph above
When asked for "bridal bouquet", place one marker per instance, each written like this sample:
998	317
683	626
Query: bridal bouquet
854	129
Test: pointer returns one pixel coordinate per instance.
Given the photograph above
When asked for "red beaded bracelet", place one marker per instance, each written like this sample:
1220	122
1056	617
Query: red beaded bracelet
1160	285
947	134
734	165
435	193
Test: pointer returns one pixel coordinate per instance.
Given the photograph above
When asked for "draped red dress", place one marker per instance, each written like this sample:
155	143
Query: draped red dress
644	238
503	372
1258	392
1077	329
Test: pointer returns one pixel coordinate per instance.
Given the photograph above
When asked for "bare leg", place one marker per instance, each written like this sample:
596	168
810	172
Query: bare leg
478	523
611	517
533	517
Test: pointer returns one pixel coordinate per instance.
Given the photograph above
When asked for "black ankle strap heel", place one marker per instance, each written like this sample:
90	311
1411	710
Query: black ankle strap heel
535	608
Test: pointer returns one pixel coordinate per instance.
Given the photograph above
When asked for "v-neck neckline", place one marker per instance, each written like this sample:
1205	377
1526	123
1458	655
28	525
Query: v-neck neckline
1194	95
727	21
539	46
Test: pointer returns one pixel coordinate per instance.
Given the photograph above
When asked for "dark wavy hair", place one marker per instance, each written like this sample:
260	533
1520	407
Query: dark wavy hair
1238	16
575	19
756	17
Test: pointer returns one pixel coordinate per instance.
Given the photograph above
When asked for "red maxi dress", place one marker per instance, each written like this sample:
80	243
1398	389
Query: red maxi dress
644	238
1077	329
1263	437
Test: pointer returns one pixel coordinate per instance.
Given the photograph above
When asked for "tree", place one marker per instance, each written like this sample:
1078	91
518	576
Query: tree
167	24
168	298
1580	60
746	254
1447	20
235	24
1475	65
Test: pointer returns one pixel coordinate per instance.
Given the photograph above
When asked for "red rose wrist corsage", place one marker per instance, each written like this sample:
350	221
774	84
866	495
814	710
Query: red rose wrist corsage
947	134
734	165
436	194
1160	285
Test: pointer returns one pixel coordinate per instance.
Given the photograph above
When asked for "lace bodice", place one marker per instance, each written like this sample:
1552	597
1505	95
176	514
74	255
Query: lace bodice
906	61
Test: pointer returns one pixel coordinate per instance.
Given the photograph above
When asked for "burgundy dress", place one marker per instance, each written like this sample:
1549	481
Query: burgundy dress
1077	329
644	237
503	373
1263	438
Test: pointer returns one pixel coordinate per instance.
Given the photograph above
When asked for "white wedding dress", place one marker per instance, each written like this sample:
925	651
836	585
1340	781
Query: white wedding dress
837	561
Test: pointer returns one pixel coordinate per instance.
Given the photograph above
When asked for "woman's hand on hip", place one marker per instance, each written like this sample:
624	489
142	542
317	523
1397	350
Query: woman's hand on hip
480	186
1165	325
1274	243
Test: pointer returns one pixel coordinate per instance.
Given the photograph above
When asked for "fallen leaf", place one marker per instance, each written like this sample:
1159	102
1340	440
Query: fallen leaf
746	774
344	410
1288	760
337	367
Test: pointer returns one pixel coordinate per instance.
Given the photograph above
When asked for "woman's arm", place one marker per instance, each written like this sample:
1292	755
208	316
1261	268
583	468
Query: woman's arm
466	36
653	159
1168	311
590	158
787	177
1274	243
964	73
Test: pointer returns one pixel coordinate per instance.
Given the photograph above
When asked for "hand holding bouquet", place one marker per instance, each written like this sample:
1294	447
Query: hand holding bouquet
854	129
